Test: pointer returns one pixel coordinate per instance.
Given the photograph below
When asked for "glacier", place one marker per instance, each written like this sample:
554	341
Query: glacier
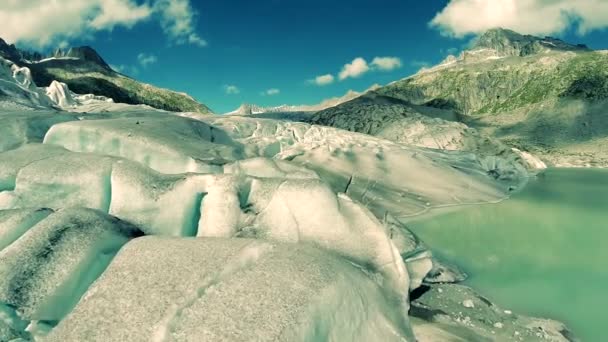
123	222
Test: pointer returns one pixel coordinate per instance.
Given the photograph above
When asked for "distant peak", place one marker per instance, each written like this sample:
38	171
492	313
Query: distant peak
86	53
510	43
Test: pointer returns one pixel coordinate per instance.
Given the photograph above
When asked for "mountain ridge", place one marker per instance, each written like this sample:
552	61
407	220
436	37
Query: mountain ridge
86	72
510	43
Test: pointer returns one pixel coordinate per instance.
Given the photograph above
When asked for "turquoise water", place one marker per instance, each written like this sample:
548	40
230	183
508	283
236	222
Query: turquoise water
543	253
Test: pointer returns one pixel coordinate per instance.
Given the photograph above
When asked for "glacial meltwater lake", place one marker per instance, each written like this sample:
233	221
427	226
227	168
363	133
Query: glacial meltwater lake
544	252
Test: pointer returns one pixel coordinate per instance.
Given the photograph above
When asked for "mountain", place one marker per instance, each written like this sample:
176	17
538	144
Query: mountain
541	95
85	72
505	71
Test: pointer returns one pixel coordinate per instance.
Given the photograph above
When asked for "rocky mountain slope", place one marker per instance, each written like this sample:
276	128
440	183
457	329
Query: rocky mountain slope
85	72
504	71
535	94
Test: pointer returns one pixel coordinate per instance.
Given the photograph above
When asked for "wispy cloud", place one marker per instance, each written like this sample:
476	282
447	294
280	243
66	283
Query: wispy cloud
231	89
178	19
43	22
462	17
359	67
323	80
146	59
271	92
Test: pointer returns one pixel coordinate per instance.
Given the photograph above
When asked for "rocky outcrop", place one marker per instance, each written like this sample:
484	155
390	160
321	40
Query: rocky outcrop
85	53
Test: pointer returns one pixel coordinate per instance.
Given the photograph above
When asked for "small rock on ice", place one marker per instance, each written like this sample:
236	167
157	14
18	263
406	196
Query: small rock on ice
468	303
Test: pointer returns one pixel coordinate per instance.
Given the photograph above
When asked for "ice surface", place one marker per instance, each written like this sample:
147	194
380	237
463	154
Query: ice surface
231	290
18	128
11	326
160	204
308	211
13	161
384	176
167	144
14	223
44	272
60	181
269	168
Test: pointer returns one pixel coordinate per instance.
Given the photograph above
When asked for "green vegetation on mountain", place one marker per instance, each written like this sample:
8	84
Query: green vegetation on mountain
493	86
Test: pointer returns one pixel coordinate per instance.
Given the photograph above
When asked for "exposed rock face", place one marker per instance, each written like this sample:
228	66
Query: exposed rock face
9	51
449	312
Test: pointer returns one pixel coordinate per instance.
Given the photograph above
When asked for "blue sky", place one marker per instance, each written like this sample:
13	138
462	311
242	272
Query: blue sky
218	46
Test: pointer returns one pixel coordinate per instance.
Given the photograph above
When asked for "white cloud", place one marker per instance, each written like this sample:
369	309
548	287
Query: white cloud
272	91
231	89
119	12
145	59
323	80
354	69
386	63
44	22
540	17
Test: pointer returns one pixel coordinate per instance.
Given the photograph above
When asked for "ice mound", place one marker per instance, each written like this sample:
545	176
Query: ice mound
300	209
167	144
244	290
160	204
48	268
60	94
60	181
11	162
64	98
